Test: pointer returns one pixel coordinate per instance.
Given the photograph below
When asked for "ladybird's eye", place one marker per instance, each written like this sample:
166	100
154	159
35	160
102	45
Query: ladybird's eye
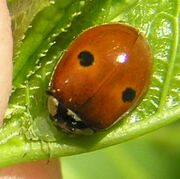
128	95
86	58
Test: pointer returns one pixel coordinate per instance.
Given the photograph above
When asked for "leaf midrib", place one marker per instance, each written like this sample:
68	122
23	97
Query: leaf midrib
172	62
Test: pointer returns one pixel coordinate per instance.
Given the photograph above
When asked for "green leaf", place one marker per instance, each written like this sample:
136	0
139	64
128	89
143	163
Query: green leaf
156	155
22	13
28	133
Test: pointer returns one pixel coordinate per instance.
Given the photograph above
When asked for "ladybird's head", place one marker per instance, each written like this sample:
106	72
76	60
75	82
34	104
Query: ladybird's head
66	119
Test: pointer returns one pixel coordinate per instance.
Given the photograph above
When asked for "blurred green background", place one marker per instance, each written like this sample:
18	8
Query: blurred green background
153	156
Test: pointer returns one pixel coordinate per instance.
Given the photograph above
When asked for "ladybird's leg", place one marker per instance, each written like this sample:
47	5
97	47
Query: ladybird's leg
49	92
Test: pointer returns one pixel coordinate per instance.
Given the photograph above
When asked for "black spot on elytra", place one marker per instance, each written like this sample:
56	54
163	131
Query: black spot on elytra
128	95
85	58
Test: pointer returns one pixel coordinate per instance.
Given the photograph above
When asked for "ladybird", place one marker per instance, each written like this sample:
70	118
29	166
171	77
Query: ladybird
101	77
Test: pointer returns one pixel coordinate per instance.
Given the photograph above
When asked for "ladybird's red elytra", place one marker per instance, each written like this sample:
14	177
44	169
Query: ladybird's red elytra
104	74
